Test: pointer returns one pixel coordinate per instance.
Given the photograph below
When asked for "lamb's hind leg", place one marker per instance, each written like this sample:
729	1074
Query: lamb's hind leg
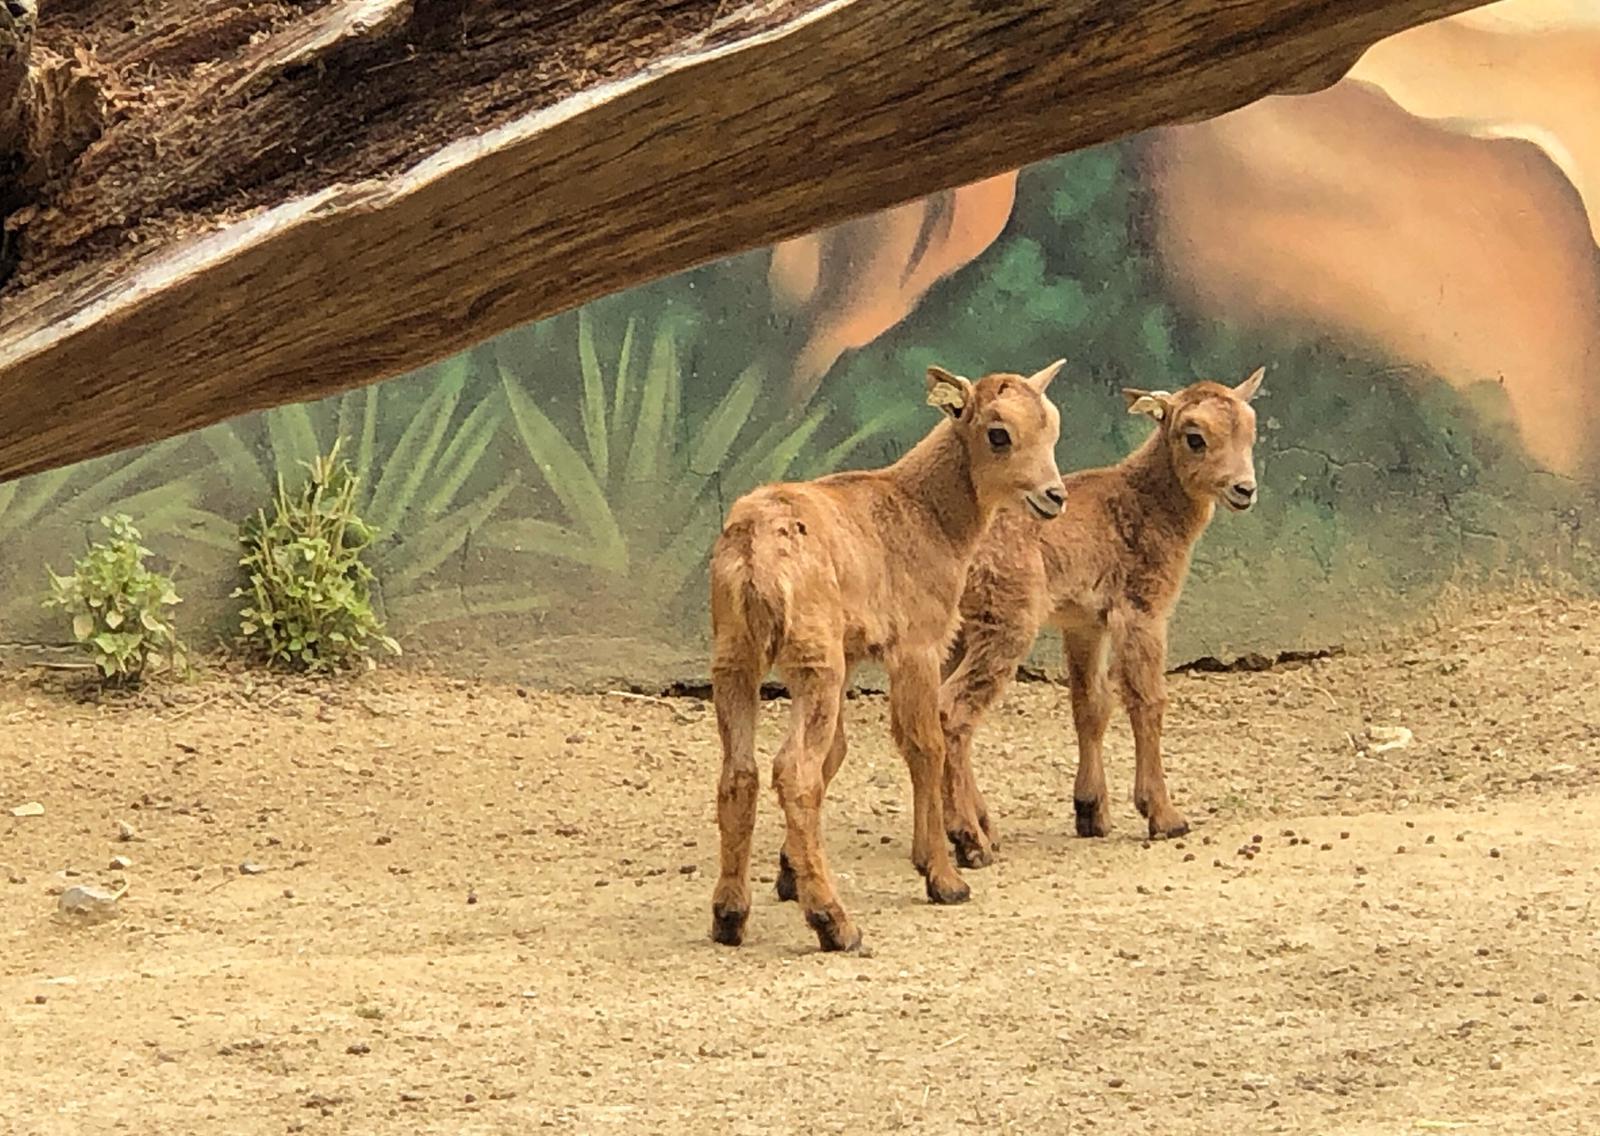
989	663
735	692
785	883
797	774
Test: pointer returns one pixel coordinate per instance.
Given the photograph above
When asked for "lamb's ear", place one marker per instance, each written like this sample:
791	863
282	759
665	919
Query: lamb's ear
1154	403
1040	379
1247	389
950	393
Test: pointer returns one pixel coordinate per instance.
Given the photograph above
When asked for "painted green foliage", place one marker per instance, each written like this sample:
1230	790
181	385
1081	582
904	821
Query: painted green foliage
576	471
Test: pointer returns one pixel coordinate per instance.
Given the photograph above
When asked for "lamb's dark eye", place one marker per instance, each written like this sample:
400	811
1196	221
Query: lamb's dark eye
998	437
1196	442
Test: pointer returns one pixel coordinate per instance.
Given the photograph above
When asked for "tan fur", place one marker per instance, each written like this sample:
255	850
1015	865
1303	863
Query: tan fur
1108	575
814	577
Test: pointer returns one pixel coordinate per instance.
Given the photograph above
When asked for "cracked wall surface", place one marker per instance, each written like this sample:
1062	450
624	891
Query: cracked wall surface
1410	254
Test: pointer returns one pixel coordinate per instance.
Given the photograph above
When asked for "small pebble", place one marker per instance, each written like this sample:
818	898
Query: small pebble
472	897
1483	952
1188	856
250	868
688	869
125	831
1460	836
1540	999
883	840
39	999
288	893
1344	836
358	1048
1429	840
1400	850
1116	1082
1256	839
1494	853
1495	1062
1327	847
382	838
120	864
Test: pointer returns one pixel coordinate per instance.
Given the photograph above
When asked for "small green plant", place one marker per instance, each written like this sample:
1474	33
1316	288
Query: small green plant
119	607
309	592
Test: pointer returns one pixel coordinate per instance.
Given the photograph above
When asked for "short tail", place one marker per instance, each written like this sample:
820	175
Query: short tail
751	591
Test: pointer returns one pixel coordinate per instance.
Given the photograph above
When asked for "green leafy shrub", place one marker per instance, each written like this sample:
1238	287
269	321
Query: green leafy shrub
309	592
119	607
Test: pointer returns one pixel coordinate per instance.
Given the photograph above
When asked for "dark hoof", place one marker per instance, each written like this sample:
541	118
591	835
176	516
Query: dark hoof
1171	831
950	894
788	891
1089	818
831	935
970	851
727	926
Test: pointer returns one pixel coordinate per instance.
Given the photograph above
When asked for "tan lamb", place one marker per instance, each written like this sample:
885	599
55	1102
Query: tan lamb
815	577
1107	575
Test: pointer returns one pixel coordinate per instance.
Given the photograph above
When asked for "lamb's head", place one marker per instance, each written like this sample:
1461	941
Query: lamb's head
1009	429
1209	431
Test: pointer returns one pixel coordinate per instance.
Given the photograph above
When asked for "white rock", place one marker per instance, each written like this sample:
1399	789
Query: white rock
88	903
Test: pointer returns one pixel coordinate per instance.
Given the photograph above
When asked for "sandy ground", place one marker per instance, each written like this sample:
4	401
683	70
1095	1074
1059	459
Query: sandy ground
480	909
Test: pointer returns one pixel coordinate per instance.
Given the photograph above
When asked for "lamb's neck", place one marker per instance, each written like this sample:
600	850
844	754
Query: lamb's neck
937	474
1149	473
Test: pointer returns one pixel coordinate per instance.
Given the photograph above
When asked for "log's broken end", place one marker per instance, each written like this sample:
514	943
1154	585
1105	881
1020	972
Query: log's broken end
18	21
51	109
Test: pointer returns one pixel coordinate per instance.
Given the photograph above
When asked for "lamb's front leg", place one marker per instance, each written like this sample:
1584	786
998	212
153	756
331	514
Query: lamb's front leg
987	667
1143	660
914	721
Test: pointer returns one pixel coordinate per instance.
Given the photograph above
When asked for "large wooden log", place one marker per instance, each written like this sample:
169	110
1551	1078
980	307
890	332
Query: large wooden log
846	107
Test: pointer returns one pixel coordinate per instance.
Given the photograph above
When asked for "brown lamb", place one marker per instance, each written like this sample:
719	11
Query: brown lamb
1108	575
814	577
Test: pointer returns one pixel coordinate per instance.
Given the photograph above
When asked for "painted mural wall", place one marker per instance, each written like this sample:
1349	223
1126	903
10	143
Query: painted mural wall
1412	254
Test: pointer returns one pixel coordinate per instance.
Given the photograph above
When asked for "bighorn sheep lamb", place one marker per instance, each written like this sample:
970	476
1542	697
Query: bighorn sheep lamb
814	577
1107	574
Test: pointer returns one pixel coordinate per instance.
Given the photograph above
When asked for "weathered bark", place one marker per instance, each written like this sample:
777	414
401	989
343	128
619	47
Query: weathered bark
17	22
844	107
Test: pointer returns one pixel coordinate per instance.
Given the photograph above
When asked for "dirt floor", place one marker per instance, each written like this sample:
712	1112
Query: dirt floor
469	908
